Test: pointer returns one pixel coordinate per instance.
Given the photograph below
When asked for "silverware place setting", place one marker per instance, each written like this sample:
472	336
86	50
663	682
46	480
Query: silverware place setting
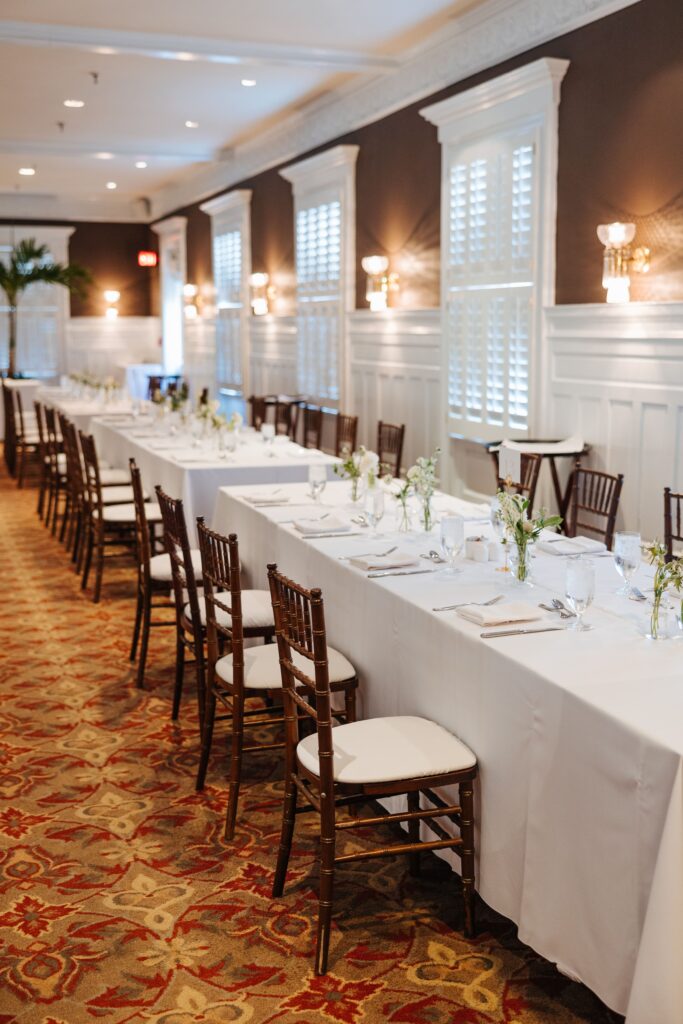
463	604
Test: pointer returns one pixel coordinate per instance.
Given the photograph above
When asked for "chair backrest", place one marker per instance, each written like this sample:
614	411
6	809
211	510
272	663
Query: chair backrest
40	423
74	466
258	406
153	385
673	520
593	503
204	397
18	414
92	487
347	430
390	447
300	629
313	426
177	546
286	418
222	594
530	467
51	437
143	544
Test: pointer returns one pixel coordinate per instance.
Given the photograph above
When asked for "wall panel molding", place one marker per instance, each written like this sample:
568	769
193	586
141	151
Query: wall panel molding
616	377
103	347
273	355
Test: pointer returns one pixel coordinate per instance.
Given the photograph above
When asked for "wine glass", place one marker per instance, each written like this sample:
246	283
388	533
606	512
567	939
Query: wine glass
626	558
268	432
374	505
580	588
452	540
317	478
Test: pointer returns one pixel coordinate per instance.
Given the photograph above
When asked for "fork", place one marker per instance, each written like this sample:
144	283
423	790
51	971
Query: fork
369	554
481	604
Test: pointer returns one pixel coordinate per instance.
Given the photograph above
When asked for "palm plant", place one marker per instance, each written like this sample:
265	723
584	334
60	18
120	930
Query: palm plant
30	263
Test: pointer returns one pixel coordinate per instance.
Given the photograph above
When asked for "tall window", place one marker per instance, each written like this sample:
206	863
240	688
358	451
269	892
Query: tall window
172	267
498	232
230	231
324	204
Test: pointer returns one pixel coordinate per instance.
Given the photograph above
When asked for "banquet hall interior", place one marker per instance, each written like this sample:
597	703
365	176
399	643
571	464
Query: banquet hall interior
341	353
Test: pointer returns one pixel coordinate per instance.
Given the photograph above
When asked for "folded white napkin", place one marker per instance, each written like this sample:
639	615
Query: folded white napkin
394	561
500	614
330	524
264	499
554	544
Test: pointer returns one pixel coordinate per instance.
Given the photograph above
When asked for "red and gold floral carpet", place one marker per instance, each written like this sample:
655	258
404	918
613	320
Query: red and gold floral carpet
119	899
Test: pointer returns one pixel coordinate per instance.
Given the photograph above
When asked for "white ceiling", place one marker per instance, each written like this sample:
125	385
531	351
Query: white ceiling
162	62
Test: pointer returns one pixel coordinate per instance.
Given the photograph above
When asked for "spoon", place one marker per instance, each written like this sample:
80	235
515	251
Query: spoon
560	607
433	556
551	608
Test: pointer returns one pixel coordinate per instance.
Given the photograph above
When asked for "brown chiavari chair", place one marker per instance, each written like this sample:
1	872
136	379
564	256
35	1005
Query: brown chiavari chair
258	410
673	520
153	385
313	426
530	468
593	503
108	517
8	414
346	433
390	447
286	418
44	474
72	523
360	762
56	479
26	439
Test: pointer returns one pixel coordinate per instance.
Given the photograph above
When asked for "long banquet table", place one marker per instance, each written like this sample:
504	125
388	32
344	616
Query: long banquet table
82	411
196	473
579	738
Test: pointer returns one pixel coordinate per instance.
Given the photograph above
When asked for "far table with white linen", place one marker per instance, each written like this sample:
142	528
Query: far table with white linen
579	737
195	473
81	411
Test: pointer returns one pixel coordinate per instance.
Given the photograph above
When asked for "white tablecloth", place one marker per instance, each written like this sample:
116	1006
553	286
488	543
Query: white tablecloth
579	738
29	388
82	411
137	377
196	474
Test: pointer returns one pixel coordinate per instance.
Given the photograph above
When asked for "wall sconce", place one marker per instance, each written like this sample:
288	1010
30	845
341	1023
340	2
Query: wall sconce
260	293
111	297
190	292
380	283
619	260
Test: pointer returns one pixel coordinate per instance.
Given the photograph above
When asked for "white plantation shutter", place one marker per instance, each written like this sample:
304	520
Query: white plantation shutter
489	285
319	298
228	278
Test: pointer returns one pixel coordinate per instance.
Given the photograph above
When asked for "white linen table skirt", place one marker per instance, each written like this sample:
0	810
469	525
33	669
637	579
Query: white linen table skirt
82	411
579	738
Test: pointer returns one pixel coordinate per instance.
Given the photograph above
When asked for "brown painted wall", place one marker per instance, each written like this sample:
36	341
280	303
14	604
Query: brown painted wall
621	156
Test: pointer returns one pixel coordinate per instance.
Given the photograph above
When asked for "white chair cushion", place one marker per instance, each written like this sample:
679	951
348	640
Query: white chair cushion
388	750
262	667
126	513
160	566
61	462
257	611
110	477
118	495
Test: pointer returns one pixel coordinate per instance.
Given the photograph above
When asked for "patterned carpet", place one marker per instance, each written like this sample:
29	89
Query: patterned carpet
119	900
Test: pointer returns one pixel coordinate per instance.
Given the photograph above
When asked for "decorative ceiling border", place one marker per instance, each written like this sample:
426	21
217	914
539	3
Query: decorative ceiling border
480	39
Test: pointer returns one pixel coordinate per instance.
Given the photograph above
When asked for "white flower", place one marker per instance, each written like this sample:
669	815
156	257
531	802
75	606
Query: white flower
369	463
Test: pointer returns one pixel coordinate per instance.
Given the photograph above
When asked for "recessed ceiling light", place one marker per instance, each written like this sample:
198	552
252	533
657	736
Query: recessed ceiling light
111	184
141	164
104	156
75	104
192	124
248	82
27	171
181	55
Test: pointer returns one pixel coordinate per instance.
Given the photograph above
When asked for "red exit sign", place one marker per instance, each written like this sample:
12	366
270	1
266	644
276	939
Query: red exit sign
147	259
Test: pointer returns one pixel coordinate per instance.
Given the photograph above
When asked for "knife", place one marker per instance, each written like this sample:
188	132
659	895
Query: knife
378	575
490	634
321	536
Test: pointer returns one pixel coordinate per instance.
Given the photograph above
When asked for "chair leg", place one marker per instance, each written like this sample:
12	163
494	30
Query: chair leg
286	835
20	468
414	833
144	641
467	854
235	766
85	557
42	487
136	626
179	673
327	845
350	704
207	740
99	566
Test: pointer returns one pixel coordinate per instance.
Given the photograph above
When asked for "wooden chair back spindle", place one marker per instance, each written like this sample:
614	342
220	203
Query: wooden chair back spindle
390	447
313	426
673	520
258	408
346	435
593	503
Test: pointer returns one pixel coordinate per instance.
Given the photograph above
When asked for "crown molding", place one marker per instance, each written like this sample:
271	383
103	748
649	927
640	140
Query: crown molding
323	169
485	36
35	207
235	200
169	226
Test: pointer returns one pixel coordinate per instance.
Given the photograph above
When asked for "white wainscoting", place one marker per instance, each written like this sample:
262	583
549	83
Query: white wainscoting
102	347
199	367
616	377
394	375
272	361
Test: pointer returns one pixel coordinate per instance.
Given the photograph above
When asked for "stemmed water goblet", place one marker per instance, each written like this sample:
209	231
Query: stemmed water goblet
317	479
579	588
626	559
374	505
452	537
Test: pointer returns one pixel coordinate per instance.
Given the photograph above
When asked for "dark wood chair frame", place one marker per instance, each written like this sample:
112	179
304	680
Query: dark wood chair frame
9	445
593	493
72	523
312	426
56	476
346	434
300	627
147	588
27	451
673	520
258	410
530	468
190	634
44	471
390	439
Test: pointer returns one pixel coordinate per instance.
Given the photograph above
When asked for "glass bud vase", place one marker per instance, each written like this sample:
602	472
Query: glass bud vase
664	621
403	517
427	514
520	563
355	488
